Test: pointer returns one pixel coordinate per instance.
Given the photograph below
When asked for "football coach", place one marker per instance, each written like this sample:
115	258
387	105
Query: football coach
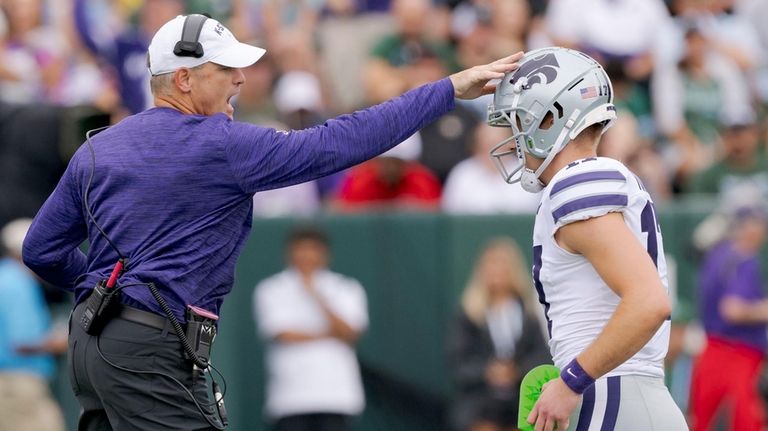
164	200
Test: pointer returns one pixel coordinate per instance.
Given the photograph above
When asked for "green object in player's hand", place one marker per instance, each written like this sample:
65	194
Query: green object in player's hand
530	390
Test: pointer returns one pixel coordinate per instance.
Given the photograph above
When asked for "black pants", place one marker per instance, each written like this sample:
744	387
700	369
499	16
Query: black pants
314	422
120	400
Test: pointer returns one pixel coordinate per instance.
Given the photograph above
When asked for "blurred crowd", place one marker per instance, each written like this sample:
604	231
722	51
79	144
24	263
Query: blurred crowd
690	80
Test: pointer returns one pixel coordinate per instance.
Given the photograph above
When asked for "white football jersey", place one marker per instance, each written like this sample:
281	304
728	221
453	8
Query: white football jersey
577	302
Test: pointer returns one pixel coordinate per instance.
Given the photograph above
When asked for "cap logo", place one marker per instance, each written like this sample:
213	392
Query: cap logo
538	70
219	29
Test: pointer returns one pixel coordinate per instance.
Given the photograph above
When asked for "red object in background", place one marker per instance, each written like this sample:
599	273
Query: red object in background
724	380
387	181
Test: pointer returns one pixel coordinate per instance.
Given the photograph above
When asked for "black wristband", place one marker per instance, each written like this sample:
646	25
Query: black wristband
576	378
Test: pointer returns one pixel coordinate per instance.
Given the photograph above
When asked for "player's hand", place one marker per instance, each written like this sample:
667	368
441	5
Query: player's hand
473	82
554	407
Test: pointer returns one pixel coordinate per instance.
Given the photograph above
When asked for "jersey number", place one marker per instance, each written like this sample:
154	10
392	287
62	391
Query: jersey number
539	288
649	225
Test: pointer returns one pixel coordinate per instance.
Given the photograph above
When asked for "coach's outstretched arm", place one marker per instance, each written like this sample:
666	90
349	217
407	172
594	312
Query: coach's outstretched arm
264	158
625	266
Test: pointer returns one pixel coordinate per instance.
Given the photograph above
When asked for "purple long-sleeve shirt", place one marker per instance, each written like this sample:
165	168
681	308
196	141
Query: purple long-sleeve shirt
173	192
726	272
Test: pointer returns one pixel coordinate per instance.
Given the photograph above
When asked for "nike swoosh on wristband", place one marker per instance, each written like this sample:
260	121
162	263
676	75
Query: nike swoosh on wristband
568	370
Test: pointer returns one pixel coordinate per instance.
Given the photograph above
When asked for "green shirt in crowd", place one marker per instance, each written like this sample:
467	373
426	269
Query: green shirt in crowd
720	177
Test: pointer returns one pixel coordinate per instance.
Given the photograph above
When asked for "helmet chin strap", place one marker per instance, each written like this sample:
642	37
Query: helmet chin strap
530	182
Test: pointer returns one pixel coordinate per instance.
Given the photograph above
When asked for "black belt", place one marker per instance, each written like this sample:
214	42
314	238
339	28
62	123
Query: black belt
142	317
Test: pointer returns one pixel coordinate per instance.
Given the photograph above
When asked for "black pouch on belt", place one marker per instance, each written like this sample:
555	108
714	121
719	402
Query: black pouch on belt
201	331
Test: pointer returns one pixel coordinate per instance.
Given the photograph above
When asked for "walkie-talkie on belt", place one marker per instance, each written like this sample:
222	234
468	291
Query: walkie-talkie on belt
101	302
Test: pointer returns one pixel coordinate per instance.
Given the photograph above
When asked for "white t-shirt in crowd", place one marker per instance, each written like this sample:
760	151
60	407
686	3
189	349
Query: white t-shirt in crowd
618	27
296	200
320	376
472	188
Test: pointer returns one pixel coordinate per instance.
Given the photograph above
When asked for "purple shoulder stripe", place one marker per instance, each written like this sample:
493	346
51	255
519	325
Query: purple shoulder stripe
589	202
586	177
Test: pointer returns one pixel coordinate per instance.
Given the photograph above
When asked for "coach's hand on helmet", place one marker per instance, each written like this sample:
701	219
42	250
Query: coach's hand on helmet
474	82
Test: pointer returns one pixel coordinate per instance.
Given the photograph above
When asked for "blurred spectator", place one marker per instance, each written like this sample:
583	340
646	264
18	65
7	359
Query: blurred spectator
734	311
495	340
511	21
32	53
742	163
624	30
629	95
126	52
692	97
472	28
390	70
42	63
445	141
246	21
300	200
626	144
255	104
629	140
312	318
394	180
299	100
289	30
486	29
474	186
25	398
345	43
756	12
732	35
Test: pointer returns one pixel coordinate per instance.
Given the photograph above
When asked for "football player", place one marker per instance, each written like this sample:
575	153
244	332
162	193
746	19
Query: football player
598	257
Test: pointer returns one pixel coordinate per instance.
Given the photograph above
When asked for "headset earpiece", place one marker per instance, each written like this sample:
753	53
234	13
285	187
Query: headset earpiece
189	45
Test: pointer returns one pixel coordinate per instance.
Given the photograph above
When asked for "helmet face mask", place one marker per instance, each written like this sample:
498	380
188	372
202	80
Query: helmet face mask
554	95
509	157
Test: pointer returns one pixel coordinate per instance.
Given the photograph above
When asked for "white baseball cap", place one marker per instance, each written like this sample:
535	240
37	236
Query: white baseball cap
297	90
218	44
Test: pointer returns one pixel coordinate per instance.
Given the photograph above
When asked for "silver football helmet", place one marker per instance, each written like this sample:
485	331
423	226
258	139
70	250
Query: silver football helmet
569	85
